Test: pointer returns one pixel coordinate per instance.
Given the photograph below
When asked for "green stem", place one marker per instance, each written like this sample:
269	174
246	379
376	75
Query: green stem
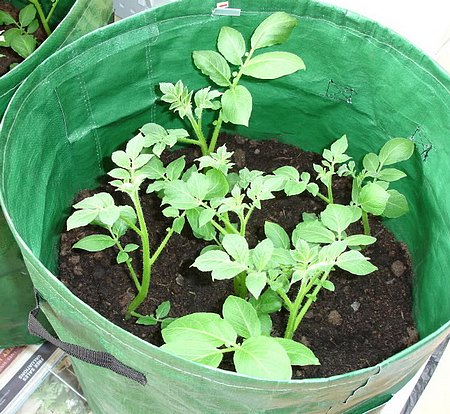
130	268
323	198
189	141
219	227
132	226
246	219
330	194
42	17
146	266
163	244
365	221
50	13
215	135
199	134
298	312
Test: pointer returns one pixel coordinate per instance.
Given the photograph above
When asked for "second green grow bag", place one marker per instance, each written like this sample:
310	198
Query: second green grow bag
71	20
89	98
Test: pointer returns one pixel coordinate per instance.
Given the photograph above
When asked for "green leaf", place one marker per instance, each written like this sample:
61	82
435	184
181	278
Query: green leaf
178	224
198	185
242	316
266	324
337	217
355	263
231	44
237	105
162	310
359	240
262	254
206	327
177	194
34	25
134	146
313	232
171	212
263	357
219	264
236	246
206	216
6	18
273	65
213	65
95	243
292	188
256	282
198	351
298	353
154	169
121	159
175	168
371	162
391	174
268	302
120	174
122	257
131	247
328	285
274	30
339	146
396	206
217	185
24	45
147	320
396	150
27	15
109	215
81	218
373	199
287	171
277	235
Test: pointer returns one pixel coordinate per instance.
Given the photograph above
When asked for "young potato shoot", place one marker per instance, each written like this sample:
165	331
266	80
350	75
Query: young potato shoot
235	103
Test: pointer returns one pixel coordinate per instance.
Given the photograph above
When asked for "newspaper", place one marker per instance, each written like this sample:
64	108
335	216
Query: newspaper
39	379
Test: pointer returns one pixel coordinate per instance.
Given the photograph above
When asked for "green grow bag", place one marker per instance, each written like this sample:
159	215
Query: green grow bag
71	20
361	79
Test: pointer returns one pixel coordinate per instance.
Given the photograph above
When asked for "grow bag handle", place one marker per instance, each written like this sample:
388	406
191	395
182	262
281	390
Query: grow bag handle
101	359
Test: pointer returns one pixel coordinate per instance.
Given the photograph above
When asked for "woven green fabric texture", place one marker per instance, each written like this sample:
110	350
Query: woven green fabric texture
71	20
89	98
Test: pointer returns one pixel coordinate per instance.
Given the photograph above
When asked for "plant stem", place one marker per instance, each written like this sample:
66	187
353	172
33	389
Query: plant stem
323	198
246	219
129	265
298	312
330	194
199	133
146	266
166	239
132	226
219	227
42	17
365	220
50	13
189	141
215	135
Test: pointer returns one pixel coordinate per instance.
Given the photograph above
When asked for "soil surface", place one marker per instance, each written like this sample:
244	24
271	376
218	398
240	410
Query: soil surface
11	56
366	320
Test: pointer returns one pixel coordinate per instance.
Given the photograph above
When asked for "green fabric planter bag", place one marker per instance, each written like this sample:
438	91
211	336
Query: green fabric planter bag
71	20
93	95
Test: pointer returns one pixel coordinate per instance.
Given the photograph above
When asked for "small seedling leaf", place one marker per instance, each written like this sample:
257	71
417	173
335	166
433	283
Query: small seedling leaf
313	232
337	217
219	264
6	18
373	199
237	105
237	247
122	257
131	247
242	316
147	320
162	310
298	353
195	350
391	174
396	206
24	45
231	45
262	254
275	29
27	15
178	224
256	282
355	263
273	65
263	357
81	218
95	243
213	65
277	235
396	150
359	240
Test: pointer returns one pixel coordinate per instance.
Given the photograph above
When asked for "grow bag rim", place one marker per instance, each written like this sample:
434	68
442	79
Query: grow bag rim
47	48
370	371
354	23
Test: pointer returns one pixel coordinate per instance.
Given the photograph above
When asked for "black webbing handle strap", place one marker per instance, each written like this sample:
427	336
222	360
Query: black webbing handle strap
101	359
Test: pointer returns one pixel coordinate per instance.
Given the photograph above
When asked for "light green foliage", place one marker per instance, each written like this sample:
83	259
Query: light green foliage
371	190
317	246
236	103
133	167
332	158
160	316
20	38
205	337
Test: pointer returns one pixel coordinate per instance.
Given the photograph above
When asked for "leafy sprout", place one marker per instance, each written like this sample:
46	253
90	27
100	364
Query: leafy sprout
225	68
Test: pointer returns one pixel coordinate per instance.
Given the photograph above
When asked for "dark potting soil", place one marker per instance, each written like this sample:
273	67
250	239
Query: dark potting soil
366	320
10	56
